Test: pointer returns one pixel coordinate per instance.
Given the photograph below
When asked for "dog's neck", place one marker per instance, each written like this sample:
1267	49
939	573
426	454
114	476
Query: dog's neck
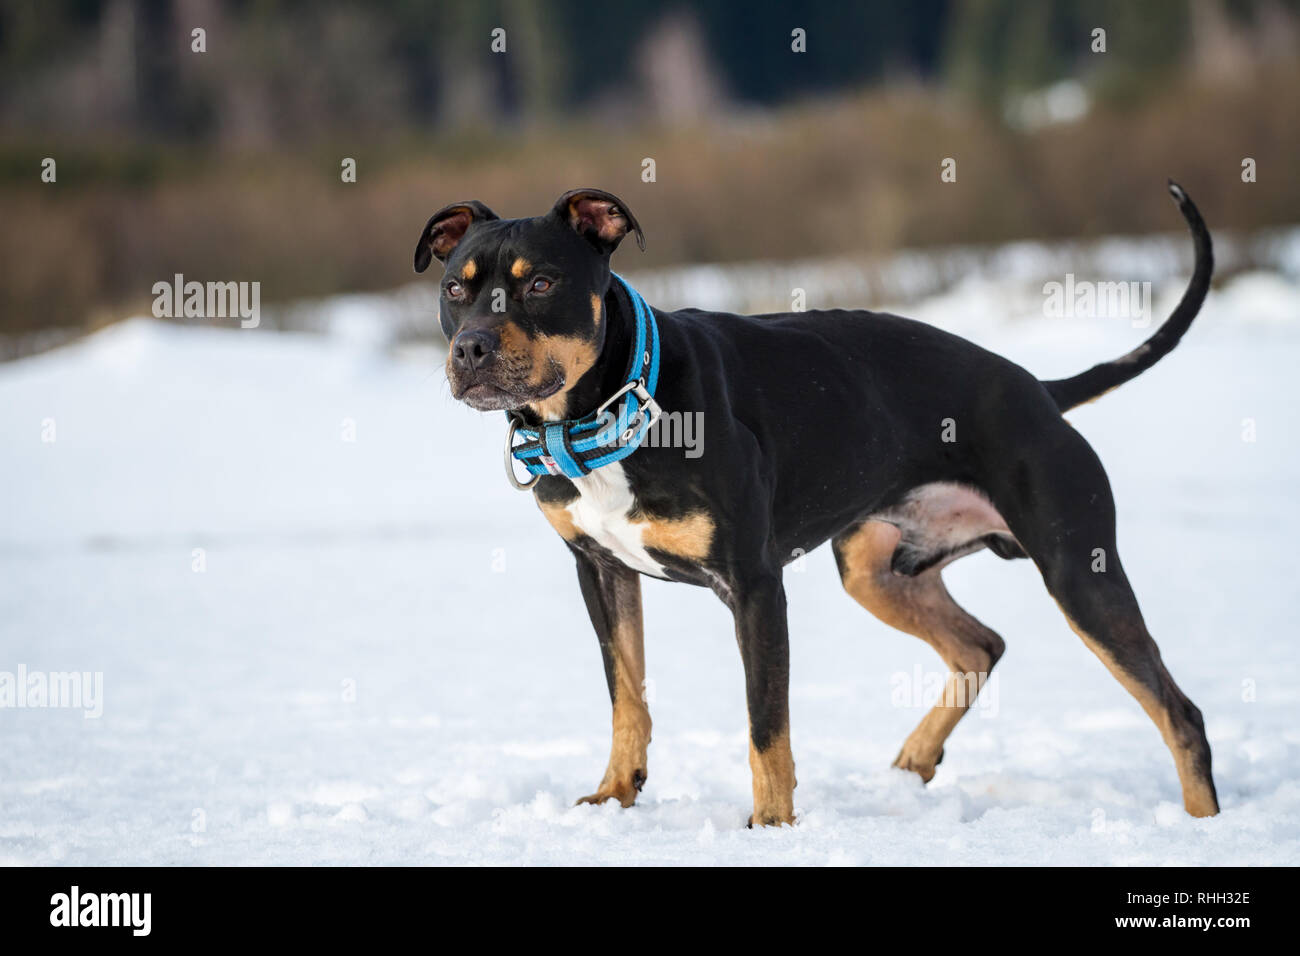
609	372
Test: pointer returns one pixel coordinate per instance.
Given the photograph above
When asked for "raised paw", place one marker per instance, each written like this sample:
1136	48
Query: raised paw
920	764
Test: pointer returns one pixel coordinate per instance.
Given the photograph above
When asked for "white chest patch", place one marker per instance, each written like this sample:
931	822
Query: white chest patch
601	513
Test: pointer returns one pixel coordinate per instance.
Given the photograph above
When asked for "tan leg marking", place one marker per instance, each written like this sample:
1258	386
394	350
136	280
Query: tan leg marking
921	606
1198	799
596	311
774	782
690	537
627	757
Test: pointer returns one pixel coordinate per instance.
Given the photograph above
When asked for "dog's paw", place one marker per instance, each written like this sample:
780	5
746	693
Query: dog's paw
624	791
920	764
770	819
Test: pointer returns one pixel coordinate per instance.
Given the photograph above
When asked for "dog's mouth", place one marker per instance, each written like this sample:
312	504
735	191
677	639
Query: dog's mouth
494	396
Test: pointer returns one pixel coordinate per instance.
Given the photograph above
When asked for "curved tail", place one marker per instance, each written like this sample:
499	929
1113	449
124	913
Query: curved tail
1100	379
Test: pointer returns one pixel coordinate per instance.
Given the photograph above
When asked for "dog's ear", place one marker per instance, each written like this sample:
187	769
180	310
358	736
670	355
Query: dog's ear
599	217
445	228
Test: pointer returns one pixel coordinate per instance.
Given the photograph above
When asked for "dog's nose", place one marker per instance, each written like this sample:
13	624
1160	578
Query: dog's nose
473	349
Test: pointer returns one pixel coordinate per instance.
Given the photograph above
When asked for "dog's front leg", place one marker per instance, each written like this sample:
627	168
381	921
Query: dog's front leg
613	597
759	608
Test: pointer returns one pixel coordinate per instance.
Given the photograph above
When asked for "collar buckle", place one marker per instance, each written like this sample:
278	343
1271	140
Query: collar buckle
648	405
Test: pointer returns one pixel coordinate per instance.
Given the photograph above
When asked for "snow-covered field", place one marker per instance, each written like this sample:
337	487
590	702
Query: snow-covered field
300	571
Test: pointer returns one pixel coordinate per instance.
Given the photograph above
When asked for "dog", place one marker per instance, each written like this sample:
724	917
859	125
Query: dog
905	446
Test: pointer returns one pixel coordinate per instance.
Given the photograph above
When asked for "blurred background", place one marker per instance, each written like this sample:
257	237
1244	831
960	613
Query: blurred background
225	164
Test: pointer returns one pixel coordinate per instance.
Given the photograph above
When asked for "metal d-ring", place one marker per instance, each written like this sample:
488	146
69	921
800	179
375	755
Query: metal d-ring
515	422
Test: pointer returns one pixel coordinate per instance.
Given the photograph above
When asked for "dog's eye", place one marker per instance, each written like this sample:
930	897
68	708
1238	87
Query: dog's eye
454	289
539	285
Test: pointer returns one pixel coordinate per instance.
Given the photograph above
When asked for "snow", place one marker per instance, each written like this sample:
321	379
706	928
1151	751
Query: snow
383	657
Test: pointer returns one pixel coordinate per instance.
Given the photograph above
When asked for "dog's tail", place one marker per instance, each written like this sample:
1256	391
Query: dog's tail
1100	379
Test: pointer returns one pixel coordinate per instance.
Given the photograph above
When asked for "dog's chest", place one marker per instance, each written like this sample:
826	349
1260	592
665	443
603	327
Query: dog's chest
601	512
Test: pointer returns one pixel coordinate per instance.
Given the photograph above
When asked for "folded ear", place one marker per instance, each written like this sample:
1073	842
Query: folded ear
445	228
599	217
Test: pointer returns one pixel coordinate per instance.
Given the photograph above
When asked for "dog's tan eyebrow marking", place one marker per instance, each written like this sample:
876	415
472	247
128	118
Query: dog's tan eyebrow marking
520	267
469	270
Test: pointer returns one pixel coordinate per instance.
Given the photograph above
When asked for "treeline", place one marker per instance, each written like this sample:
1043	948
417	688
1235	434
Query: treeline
228	165
276	72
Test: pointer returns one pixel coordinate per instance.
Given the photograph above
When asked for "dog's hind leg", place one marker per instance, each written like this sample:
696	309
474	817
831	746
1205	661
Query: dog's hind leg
613	598
920	606
1060	507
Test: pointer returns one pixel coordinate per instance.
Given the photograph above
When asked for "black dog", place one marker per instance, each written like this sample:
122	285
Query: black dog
903	445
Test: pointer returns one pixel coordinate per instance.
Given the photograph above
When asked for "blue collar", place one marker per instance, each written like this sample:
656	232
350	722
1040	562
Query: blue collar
578	446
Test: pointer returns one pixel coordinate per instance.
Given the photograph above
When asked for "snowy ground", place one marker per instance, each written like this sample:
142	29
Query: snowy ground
347	680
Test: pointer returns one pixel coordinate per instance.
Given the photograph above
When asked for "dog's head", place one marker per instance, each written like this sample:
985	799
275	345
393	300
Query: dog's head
522	301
